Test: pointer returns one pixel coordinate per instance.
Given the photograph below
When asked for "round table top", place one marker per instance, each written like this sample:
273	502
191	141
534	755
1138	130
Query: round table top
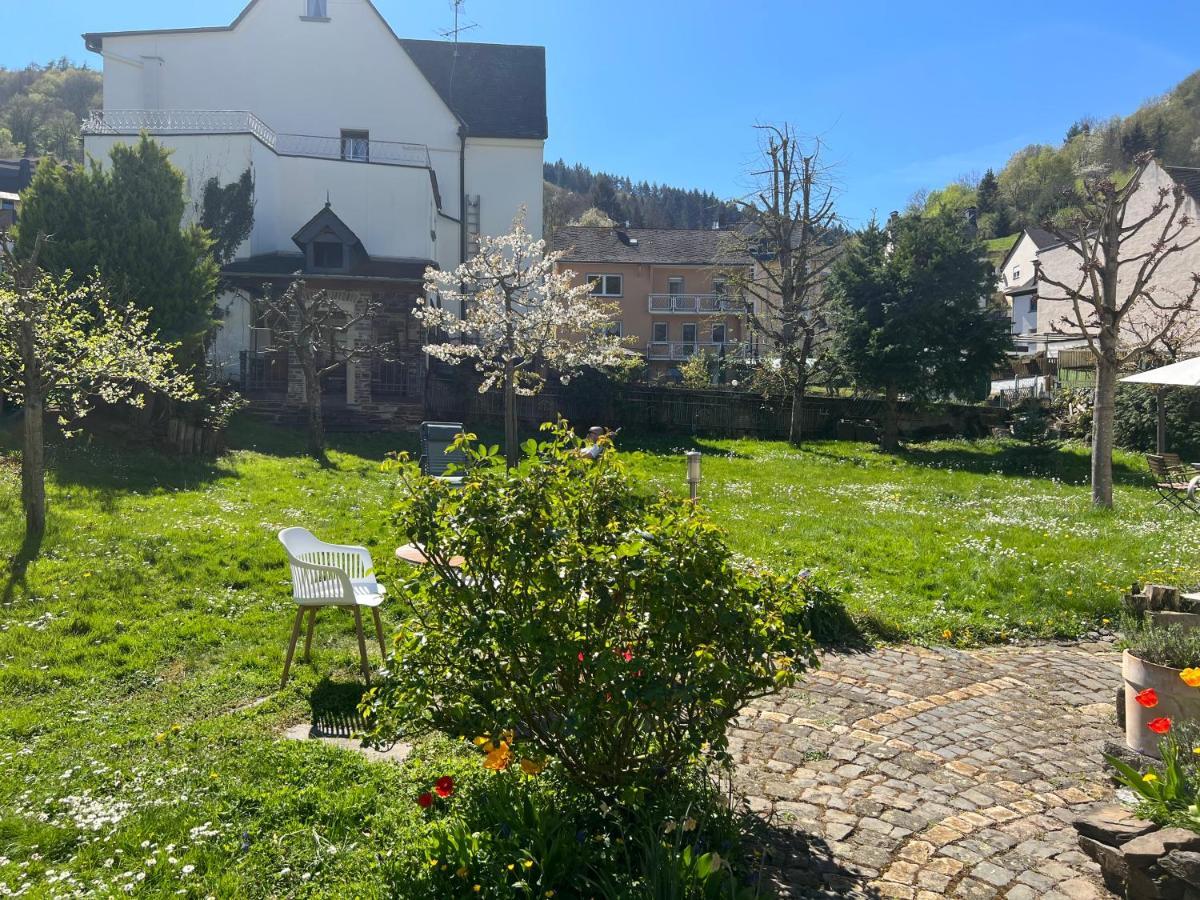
415	554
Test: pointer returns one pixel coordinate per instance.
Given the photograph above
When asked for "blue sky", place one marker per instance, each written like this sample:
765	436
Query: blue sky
906	94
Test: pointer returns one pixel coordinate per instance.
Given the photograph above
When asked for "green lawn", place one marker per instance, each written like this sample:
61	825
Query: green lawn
140	651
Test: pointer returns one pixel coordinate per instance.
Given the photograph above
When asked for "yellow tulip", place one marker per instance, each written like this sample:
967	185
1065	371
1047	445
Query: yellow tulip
1191	677
532	767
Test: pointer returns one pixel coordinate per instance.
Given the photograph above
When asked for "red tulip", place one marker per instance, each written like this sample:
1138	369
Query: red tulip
425	800
1159	726
444	786
1148	698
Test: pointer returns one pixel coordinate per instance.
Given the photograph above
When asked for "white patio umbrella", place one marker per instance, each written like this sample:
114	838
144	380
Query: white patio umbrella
1184	374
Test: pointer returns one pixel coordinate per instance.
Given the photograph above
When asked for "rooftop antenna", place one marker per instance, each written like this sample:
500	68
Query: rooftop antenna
459	27
453	33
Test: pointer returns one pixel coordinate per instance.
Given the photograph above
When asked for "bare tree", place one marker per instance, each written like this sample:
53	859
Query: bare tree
63	345
793	231
319	333
1120	251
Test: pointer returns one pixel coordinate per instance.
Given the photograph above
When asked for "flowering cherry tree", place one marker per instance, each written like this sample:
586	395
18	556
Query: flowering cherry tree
519	316
61	347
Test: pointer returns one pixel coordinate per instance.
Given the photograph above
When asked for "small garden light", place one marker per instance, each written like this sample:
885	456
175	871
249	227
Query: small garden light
693	472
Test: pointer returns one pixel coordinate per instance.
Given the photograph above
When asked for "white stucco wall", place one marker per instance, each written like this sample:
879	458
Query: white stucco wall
319	78
1024	321
1018	268
390	208
506	174
1172	281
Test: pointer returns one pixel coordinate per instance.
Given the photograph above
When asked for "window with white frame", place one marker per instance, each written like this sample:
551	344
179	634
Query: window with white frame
689	332
356	145
675	286
1016	274
718	333
660	332
606	285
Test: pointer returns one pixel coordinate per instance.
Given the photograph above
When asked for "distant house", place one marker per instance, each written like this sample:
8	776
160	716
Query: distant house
1017	280
1172	281
373	157
15	176
668	286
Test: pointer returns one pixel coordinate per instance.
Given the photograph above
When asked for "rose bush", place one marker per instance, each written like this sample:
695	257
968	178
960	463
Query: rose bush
591	625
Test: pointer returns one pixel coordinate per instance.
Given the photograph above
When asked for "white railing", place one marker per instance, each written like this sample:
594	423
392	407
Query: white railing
695	303
218	121
685	349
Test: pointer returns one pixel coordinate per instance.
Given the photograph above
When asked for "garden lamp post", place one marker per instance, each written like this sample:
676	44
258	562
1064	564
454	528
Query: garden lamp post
693	473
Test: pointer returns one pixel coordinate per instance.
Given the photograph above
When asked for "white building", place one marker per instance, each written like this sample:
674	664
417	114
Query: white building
1017	281
372	156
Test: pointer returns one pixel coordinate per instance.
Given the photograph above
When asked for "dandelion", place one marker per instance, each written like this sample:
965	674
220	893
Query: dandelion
947	634
1149	777
528	864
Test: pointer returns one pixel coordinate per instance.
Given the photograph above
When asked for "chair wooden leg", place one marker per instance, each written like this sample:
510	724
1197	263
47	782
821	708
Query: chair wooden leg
362	645
287	665
379	633
312	620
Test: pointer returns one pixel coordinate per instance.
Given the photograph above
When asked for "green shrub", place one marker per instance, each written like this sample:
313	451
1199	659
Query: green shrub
592	625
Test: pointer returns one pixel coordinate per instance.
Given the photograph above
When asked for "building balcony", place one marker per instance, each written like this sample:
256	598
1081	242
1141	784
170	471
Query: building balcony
209	121
696	304
682	350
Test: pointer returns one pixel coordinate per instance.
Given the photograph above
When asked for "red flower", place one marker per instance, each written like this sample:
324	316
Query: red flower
444	786
581	656
1159	726
627	655
1148	698
425	800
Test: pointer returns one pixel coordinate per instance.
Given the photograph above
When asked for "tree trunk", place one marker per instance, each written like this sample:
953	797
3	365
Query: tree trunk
1102	430
510	416
33	467
889	434
316	421
795	430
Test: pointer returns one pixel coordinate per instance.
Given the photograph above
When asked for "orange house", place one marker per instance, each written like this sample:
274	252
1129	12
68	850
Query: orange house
669	285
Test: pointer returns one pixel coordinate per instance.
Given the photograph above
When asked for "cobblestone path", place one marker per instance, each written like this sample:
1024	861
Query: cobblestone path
915	773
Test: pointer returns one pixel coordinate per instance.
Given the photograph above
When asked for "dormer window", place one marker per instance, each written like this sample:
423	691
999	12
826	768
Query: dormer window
328	255
317	10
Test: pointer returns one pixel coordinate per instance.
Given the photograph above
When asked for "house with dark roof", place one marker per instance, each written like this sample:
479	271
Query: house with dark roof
669	287
15	176
1016	279
373	156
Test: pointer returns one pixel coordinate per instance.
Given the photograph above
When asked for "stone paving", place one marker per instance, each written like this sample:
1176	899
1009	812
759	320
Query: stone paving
915	773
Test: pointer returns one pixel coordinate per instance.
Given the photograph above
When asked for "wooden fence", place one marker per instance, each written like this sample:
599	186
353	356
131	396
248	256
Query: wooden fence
648	409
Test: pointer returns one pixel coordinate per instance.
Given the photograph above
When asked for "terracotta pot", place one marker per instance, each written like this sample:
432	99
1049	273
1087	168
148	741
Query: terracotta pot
1176	701
1162	618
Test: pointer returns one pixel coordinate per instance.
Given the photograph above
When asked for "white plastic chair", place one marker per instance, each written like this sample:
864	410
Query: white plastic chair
330	575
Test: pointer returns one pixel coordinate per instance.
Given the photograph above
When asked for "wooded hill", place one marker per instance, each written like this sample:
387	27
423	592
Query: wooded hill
570	190
1029	188
42	107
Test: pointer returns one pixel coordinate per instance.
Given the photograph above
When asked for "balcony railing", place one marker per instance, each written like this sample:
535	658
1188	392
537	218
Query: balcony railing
218	121
682	350
695	303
